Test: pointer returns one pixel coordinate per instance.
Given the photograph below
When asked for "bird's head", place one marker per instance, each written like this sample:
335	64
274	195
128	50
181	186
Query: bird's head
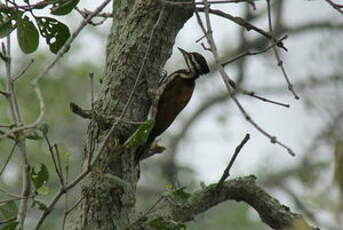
196	63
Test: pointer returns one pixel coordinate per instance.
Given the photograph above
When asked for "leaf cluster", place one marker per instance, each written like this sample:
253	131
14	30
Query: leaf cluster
29	26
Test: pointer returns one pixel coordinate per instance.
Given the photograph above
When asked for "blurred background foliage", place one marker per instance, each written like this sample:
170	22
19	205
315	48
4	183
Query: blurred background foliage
202	139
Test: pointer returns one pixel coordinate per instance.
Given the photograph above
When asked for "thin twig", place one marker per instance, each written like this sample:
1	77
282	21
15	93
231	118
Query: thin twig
227	82
277	56
20	128
28	7
145	213
23	71
61	52
242	22
106	120
8	158
10	194
10	90
251	53
58	158
76	181
26	187
91	80
206	33
84	13
5	126
336	6
251	2
226	173
65	199
7	221
17	119
4	93
253	94
9	200
54	160
75	205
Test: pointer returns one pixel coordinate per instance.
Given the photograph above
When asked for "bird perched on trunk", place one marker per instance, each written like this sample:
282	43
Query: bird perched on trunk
175	93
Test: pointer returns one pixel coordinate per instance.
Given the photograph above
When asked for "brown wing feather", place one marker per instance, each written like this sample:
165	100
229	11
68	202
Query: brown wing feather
175	97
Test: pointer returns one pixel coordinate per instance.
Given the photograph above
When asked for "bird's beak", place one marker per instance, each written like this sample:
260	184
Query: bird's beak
184	52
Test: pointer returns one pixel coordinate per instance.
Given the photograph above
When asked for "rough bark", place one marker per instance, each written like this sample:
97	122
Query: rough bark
109	204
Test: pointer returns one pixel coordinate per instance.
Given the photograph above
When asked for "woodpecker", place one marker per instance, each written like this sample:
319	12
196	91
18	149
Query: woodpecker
177	90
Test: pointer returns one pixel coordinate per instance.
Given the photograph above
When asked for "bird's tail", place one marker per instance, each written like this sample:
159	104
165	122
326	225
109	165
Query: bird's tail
143	149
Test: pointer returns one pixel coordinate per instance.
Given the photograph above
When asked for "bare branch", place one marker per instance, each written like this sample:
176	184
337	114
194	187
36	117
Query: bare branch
253	94
23	71
55	159
10	194
336	6
28	7
277	56
84	113
146	213
242	22
3	93
91	80
251	2
66	205
35	82
228	81
276	215
26	187
8	159
17	120
85	13
226	173
7	220
252	53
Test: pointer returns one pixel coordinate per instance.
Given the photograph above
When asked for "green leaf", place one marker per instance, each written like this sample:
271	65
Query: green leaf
8	210
159	224
8	19
180	194
27	35
40	177
54	32
63	7
66	156
43	190
40	205
141	135
10	226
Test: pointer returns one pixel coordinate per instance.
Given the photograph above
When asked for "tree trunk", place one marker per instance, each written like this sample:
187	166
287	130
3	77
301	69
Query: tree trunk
142	34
